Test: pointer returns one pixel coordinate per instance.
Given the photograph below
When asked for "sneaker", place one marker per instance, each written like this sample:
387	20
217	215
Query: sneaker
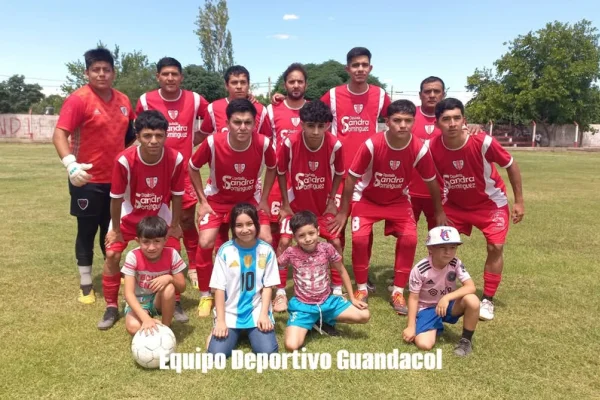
193	277
362	295
111	315
399	304
463	348
90	298
370	286
280	304
326	329
486	310
205	306
180	315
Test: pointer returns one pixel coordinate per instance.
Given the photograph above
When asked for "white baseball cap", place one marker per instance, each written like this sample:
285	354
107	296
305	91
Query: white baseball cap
443	235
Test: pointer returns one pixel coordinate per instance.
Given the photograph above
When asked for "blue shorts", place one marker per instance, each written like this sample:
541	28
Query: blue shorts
427	319
306	315
147	303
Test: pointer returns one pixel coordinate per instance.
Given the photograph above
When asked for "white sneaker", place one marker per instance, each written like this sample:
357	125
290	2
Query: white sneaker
486	310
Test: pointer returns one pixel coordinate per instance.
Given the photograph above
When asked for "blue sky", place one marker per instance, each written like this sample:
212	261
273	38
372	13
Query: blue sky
409	40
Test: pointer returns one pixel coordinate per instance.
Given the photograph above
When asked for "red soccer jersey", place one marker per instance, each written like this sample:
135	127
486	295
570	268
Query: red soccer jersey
310	171
146	189
355	115
216	118
97	129
181	113
469	175
234	174
385	172
425	129
284	121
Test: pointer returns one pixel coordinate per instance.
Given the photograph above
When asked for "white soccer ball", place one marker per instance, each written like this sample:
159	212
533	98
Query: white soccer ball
147	350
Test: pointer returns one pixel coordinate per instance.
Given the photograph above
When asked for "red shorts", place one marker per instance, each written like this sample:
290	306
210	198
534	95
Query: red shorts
223	211
189	195
424	205
119	247
286	231
493	223
274	201
399	218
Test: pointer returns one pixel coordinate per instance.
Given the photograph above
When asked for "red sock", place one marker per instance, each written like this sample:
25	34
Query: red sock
222	237
282	277
490	283
110	286
360	258
204	267
406	247
370	244
190	241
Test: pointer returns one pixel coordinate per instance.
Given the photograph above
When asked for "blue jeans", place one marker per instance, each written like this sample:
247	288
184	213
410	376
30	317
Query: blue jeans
261	342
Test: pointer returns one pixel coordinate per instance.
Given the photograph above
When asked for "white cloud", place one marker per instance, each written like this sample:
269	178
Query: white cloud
288	17
281	36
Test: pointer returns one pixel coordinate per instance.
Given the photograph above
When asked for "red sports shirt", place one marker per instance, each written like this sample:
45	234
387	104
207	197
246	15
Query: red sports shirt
146	189
425	129
97	129
284	121
469	175
234	174
385	172
181	113
216	118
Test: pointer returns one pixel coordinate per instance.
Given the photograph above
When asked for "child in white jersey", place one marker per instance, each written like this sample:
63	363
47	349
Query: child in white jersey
313	304
243	279
434	298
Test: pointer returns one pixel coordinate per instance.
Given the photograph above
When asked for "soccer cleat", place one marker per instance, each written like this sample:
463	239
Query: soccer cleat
463	348
370	286
486	310
280	304
362	295
180	315
205	306
326	329
111	315
193	277
398	303
90	298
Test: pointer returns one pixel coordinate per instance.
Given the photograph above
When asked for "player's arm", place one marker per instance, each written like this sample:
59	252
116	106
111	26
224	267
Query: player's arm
130	134
199	137
220	329
514	176
332	207
271	164
409	332
336	224
264	323
148	323
468	287
285	209
347	283
436	197
114	234
176	207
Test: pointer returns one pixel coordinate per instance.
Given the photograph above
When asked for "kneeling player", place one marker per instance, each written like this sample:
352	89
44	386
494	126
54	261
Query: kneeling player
433	297
153	274
313	303
146	179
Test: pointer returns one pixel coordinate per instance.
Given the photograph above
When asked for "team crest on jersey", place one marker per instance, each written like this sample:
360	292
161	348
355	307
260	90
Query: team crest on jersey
358	108
124	110
173	113
239	168
394	164
234	264
83	203
295	121
248	260
458	164
313	165
429	129
151	182
262	260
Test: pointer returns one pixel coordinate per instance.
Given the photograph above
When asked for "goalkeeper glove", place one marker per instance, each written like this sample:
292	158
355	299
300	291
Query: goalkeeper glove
76	171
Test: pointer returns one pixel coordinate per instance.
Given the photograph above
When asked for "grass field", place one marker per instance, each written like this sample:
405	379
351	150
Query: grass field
544	342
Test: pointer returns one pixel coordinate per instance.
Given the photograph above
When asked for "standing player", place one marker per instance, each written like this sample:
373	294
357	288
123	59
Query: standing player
93	111
476	192
146	179
236	159
379	177
315	164
181	108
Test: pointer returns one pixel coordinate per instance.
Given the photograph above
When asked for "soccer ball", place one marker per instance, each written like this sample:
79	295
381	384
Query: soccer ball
146	350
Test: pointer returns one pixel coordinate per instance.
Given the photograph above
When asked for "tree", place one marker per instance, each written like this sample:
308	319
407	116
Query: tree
211	85
322	77
135	75
548	76
16	96
54	100
215	39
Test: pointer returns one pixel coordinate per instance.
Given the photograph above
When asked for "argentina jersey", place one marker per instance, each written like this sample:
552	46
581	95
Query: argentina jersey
242	273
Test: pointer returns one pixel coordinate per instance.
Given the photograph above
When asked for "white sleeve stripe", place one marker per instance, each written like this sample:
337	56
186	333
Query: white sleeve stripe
429	179
211	114
191	164
144	102
333	108
177	193
509	163
422	152
127	271
117	196
381	100
354	173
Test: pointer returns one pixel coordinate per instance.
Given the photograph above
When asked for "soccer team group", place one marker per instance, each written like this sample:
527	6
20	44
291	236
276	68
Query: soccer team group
294	170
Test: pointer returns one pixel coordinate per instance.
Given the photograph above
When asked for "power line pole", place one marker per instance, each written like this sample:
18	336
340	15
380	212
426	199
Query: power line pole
269	89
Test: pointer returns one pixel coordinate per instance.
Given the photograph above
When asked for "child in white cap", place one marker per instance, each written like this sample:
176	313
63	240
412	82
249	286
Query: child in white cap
434	298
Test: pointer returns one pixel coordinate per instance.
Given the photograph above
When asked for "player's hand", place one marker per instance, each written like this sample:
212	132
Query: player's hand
149	326
408	334
220	330
473	130
159	283
264	206
175	231
361	305
518	212
113	236
336	224
277	98
77	172
331	208
441	219
285	211
203	210
264	324
442	307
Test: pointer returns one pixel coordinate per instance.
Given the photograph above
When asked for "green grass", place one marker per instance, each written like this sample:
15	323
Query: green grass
544	342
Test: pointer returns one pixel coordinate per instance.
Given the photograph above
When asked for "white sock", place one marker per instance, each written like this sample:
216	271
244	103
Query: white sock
336	290
280	291
85	275
398	289
361	286
204	294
